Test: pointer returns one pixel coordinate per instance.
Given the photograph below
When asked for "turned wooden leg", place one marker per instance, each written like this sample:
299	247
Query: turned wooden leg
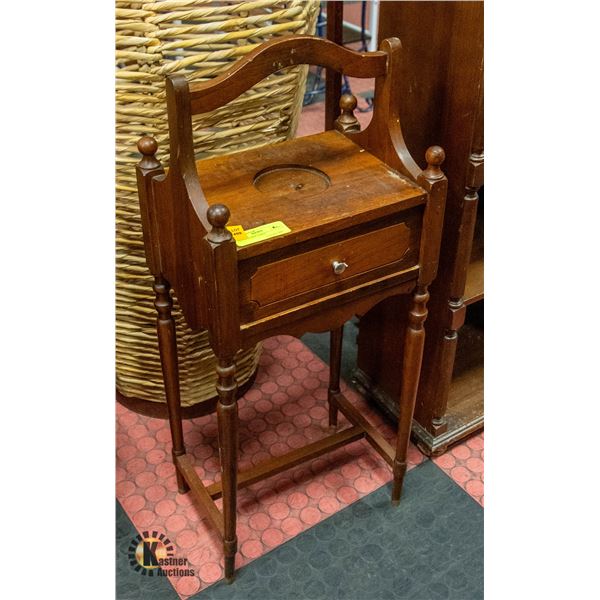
411	368
167	345
455	308
447	354
335	364
227	415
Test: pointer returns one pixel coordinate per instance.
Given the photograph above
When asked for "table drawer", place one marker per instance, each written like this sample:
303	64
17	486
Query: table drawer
366	255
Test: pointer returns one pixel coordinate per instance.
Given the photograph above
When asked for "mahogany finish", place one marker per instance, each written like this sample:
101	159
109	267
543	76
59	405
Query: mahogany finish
278	54
365	225
312	209
443	42
347	122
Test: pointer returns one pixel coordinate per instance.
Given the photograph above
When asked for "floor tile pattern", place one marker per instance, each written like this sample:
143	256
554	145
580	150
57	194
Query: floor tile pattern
285	409
464	464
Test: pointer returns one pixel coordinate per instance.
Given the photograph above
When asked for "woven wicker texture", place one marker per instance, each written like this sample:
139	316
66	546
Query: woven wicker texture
201	39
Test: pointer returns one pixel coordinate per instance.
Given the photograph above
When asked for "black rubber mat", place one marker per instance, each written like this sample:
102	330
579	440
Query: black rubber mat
429	547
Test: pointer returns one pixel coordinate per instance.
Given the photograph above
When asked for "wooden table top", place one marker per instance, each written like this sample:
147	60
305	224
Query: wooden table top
316	185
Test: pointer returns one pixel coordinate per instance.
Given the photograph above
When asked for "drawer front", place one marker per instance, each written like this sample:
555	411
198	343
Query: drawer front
366	256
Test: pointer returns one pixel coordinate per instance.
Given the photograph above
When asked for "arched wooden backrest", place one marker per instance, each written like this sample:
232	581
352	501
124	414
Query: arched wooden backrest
185	100
383	137
278	54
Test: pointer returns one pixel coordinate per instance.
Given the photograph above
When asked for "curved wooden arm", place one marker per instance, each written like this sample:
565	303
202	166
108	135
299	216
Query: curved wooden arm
383	136
278	54
183	162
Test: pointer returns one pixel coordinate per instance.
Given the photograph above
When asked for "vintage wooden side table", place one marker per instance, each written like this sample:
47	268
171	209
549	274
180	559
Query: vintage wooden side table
358	222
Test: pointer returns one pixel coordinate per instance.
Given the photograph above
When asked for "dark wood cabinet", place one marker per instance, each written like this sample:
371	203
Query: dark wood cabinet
441	85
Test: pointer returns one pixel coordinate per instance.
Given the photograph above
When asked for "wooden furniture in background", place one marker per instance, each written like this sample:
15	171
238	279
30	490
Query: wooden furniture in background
364	225
440	99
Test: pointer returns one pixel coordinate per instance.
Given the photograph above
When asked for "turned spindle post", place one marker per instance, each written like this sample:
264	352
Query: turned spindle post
456	308
414	341
147	168
167	345
347	122
411	368
335	363
223	255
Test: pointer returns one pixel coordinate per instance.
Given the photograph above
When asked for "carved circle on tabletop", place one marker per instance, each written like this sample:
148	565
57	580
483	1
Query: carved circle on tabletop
281	179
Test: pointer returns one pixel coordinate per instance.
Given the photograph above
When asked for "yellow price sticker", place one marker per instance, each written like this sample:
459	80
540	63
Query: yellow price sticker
245	237
237	231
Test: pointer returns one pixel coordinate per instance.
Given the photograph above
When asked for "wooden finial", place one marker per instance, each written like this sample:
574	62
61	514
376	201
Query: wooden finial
434	156
148	146
218	215
347	121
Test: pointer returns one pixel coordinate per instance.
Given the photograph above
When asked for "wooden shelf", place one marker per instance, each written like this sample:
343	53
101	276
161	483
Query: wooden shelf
474	285
465	403
464	412
465	397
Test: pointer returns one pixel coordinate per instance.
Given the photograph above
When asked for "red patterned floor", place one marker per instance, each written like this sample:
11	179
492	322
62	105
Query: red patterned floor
464	464
285	409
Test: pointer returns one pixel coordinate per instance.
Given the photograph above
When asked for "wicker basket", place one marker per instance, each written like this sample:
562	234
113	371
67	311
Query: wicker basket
201	39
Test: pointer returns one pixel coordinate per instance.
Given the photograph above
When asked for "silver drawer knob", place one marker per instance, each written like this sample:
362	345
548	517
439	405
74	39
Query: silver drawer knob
339	267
